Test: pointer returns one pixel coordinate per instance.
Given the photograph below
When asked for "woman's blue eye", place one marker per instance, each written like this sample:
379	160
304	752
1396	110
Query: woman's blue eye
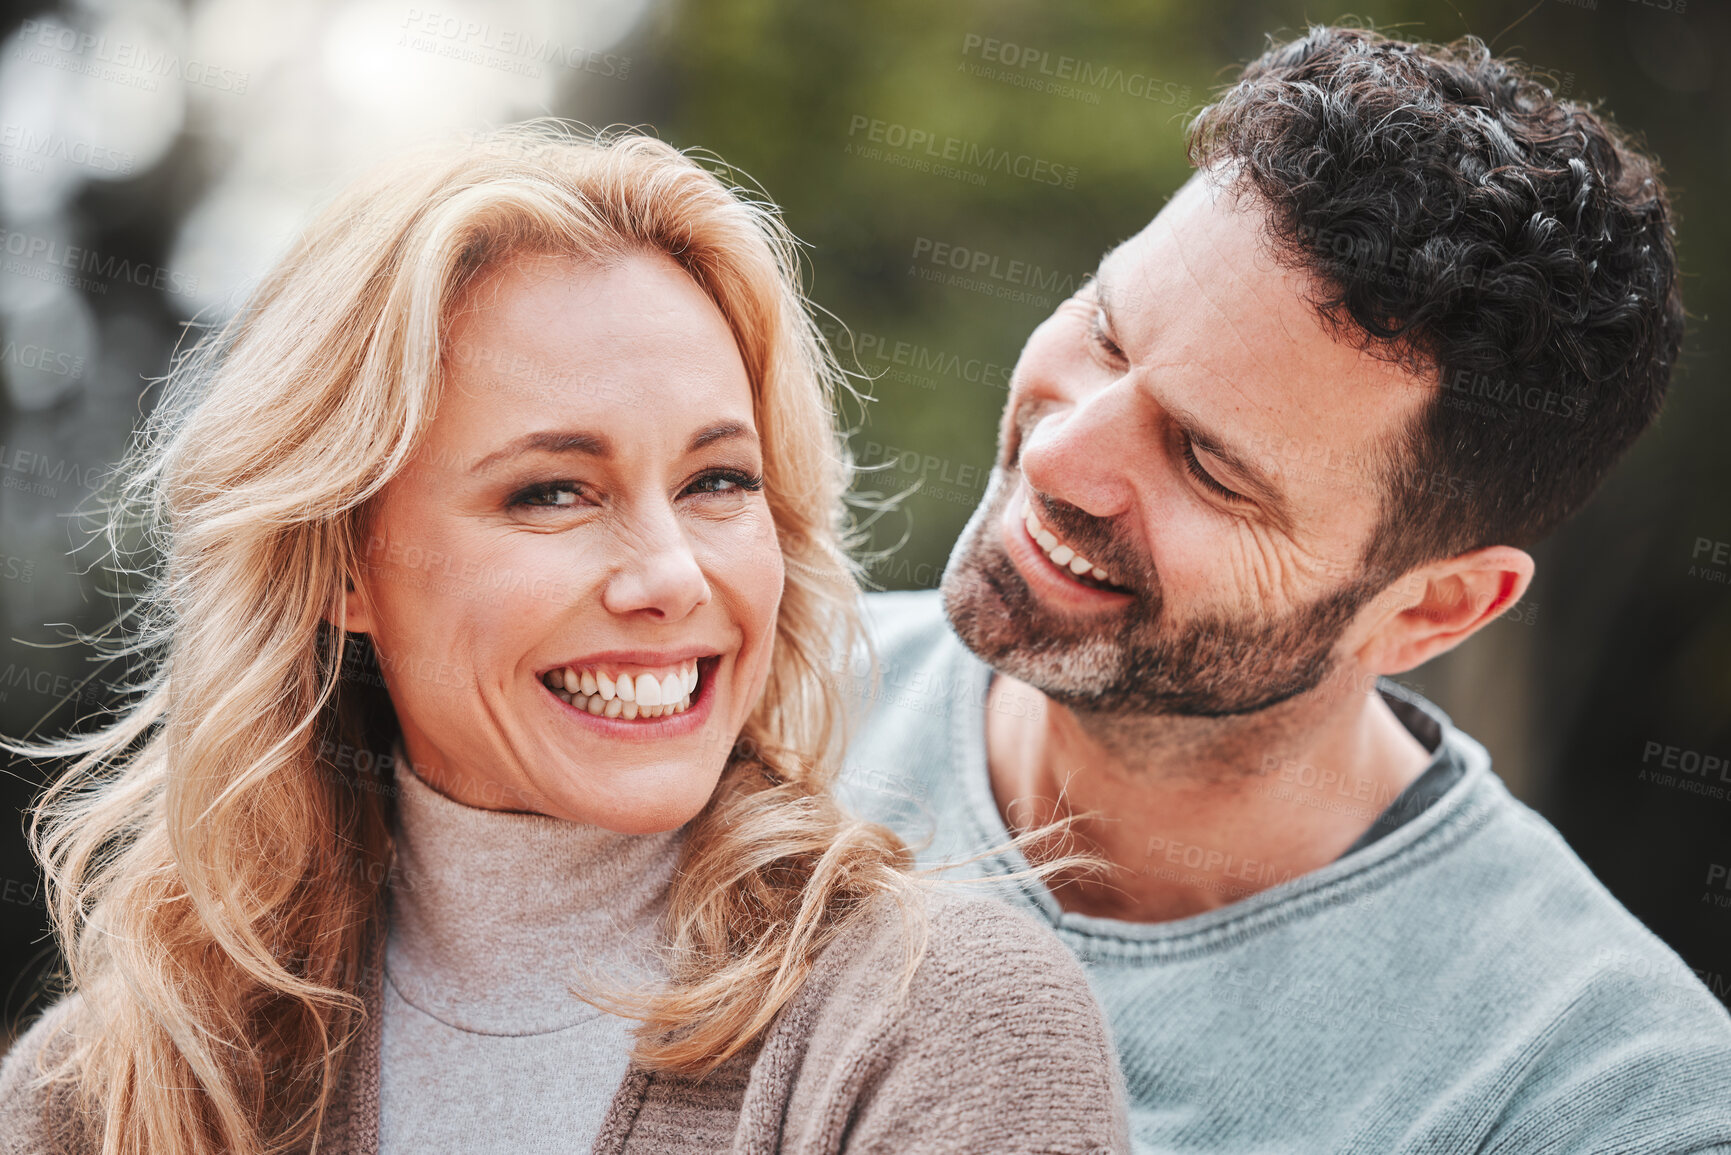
551	494
727	480
568	494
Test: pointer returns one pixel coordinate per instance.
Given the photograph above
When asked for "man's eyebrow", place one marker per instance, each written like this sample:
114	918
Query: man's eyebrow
1103	297
549	441
1261	485
1103	285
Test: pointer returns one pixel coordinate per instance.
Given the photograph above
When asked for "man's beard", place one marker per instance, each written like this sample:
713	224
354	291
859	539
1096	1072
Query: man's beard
1139	663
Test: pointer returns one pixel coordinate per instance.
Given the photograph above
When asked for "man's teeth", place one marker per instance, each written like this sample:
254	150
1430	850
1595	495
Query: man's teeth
1061	554
647	695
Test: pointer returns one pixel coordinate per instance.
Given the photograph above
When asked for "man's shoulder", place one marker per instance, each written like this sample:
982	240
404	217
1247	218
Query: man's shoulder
1468	971
1610	1040
907	702
1557	925
1489	898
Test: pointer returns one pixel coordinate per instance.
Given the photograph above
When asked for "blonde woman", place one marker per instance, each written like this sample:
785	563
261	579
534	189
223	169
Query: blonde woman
486	719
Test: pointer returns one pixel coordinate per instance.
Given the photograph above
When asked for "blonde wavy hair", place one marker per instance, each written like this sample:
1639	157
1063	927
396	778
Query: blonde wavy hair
215	879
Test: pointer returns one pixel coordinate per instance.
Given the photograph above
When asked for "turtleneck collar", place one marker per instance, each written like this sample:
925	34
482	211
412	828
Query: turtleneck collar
494	915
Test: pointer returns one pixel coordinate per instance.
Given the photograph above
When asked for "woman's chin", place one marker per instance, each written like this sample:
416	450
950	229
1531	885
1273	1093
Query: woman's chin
650	808
650	823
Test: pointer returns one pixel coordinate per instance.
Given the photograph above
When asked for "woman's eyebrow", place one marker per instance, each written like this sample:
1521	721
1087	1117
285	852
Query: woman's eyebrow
549	441
597	445
720	431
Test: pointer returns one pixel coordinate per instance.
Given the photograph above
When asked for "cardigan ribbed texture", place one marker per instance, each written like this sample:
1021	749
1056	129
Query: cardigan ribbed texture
1461	984
484	1047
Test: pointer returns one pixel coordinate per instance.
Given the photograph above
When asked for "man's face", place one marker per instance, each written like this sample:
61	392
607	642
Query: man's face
1204	462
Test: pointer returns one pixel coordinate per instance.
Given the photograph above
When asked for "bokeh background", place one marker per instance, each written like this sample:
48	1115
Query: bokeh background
156	156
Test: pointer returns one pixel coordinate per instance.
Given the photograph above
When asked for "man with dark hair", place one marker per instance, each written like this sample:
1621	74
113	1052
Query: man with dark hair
1290	440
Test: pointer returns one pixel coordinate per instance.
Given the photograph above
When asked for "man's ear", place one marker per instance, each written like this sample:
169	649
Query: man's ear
1437	606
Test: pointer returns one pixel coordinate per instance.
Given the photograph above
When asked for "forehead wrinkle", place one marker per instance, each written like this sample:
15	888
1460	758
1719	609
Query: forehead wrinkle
1261	359
1229	277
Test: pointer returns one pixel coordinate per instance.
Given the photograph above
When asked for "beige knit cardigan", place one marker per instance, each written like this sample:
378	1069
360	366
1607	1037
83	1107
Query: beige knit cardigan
998	1047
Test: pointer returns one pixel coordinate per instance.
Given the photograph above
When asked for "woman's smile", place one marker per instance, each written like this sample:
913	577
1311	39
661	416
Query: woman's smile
626	699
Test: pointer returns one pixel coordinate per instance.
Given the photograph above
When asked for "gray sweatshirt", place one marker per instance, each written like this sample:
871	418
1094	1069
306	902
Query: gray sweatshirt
1460	984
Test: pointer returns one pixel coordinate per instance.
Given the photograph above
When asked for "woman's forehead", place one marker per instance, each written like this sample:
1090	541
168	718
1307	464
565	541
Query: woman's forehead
633	352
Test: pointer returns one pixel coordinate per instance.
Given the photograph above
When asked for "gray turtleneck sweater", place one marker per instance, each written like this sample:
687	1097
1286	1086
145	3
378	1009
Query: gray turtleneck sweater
494	916
472	1042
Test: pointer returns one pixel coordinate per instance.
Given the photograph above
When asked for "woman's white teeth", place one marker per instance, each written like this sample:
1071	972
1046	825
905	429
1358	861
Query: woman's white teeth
1061	554
623	696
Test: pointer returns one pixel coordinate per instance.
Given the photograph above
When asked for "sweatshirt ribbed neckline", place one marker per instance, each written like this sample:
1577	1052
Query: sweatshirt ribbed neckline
1473	798
494	915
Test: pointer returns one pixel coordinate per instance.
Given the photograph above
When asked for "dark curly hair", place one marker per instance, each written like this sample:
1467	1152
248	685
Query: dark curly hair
1512	248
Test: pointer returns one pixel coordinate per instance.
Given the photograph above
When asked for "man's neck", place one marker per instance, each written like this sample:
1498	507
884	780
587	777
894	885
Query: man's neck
1195	813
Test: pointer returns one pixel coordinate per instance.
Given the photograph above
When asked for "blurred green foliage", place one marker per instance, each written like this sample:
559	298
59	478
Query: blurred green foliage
1621	644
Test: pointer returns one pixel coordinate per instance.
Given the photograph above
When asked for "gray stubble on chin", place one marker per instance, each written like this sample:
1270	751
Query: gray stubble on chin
1133	665
992	611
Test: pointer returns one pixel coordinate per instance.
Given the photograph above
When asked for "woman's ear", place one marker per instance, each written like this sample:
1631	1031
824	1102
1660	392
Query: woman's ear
356	616
1438	606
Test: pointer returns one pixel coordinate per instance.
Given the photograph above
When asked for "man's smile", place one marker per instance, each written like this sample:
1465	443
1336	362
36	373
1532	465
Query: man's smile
1049	566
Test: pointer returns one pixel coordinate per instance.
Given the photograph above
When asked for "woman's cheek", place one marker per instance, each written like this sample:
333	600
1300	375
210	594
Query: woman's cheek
746	562
743	553
768	571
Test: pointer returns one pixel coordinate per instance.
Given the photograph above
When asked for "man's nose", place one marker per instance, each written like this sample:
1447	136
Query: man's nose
1084	453
658	574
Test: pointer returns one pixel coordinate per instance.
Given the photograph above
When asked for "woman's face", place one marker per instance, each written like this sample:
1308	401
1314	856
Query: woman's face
572	588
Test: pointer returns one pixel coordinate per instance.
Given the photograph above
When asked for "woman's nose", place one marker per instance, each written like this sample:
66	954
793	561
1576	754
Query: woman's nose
658	573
